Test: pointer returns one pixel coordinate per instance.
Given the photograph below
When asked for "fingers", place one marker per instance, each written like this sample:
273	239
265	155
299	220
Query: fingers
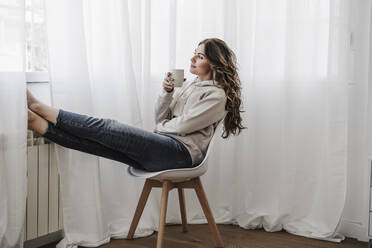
169	77
168	87
168	82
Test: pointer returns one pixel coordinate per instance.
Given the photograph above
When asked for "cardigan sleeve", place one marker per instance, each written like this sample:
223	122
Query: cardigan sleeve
202	110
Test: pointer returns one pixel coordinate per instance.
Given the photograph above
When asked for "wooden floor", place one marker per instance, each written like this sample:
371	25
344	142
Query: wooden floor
234	237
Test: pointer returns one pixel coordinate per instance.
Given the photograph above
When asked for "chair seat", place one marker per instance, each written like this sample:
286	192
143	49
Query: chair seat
174	175
183	174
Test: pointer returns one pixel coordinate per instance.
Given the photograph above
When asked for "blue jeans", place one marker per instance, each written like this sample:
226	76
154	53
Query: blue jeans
117	141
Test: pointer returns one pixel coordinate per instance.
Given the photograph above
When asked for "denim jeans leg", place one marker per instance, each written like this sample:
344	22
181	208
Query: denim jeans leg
153	151
164	152
110	133
68	140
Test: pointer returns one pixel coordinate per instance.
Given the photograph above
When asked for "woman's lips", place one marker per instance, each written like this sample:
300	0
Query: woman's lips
193	66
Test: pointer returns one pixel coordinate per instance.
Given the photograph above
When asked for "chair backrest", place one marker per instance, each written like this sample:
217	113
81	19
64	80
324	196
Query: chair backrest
183	173
217	132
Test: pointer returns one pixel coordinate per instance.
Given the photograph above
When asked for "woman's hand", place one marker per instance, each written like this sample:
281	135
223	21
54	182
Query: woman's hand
168	82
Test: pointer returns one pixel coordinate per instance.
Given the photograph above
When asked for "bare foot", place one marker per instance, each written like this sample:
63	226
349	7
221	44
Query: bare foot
36	123
47	112
32	103
31	99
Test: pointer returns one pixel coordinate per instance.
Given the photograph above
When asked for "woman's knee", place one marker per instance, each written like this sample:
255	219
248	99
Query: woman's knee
93	122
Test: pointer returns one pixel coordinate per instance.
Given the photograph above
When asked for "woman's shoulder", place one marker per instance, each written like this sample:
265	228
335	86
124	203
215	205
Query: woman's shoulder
210	85
201	89
208	92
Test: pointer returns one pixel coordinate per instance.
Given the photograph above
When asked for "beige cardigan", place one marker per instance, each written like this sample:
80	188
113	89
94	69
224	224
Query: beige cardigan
190	114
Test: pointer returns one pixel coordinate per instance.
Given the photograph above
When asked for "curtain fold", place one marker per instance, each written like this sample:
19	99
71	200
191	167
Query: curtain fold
13	168
13	125
287	171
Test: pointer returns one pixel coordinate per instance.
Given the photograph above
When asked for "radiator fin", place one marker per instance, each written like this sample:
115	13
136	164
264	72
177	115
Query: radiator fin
43	209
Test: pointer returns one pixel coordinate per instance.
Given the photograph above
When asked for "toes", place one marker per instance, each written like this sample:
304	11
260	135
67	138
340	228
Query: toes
30	98
31	116
36	123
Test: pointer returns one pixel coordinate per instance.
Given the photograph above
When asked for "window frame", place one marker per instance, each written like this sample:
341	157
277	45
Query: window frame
37	77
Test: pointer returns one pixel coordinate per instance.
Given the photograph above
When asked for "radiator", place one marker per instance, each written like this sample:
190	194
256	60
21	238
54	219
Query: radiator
43	209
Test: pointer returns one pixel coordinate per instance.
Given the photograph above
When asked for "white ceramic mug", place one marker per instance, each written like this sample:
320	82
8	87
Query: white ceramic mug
178	75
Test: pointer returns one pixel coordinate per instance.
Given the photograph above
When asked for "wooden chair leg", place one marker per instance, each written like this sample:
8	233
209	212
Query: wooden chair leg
140	206
163	213
207	211
181	198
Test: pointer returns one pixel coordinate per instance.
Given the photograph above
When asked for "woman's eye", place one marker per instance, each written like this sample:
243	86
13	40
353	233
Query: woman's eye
199	56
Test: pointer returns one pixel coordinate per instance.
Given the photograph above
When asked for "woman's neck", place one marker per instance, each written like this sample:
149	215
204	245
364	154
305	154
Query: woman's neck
205	77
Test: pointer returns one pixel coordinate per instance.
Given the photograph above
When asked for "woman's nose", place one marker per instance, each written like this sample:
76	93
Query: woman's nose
192	59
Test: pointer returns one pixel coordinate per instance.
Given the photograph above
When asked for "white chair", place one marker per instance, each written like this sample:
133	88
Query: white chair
180	179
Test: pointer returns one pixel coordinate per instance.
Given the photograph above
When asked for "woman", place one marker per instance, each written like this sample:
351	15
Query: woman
185	119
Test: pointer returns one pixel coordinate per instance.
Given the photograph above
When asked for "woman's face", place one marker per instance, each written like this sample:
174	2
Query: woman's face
199	64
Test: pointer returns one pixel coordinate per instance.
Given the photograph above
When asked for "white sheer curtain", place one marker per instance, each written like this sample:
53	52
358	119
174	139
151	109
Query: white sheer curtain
13	125
294	59
287	171
91	73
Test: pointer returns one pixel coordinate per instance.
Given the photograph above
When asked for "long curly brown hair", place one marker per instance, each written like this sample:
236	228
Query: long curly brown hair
222	61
